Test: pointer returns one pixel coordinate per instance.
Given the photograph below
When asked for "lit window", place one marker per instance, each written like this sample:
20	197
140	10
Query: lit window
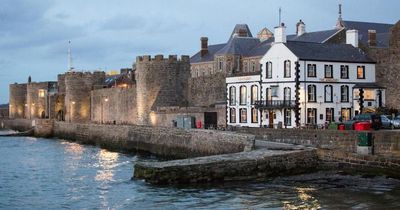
232	96
254	115
344	71
254	94
287	69
369	94
328	71
41	93
312	70
360	72
346	114
243	115
243	95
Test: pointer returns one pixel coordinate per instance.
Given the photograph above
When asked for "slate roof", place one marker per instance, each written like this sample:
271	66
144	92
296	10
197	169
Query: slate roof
3	106
212	49
382	31
328	52
239	27
239	46
317	36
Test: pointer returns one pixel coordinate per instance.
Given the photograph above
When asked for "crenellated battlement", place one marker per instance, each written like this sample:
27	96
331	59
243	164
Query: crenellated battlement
170	58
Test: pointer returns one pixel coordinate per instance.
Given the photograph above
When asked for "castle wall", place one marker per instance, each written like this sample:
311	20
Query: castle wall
388	67
207	90
77	94
17	100
61	83
111	105
160	82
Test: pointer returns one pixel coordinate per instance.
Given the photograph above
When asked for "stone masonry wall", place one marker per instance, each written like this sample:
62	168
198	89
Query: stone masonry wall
37	106
17	100
388	67
114	105
77	94
160	82
207	90
254	165
164	141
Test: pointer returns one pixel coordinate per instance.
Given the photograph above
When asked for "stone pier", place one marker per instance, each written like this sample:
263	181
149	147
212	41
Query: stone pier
254	165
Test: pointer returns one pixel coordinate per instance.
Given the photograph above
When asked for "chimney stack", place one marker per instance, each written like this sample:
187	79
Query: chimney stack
280	35
352	37
300	28
372	38
204	46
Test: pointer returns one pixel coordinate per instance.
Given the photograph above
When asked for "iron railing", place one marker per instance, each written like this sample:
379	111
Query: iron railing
275	104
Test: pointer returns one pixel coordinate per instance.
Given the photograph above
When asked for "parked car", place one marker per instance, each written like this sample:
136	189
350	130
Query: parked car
374	119
386	122
396	122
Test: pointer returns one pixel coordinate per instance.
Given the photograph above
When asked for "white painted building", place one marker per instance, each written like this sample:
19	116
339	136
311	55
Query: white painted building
326	77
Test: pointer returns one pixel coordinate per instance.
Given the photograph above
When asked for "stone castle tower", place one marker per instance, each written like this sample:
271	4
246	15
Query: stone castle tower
160	82
78	86
17	100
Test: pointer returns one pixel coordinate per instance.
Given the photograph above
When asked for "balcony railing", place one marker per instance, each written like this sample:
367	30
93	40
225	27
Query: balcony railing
275	104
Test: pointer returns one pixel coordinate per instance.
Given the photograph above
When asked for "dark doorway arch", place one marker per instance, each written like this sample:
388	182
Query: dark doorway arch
43	115
60	115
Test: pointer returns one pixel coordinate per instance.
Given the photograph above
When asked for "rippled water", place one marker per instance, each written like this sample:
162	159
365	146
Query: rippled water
54	174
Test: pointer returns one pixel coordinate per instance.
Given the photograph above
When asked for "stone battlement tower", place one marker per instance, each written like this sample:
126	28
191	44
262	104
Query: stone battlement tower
78	86
160	82
17	105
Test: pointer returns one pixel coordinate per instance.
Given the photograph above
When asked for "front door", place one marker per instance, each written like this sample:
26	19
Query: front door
271	119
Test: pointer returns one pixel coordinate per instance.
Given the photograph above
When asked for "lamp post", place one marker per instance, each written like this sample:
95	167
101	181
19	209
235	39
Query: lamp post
70	110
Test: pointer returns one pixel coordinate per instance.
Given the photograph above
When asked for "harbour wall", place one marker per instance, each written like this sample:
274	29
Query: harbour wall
339	150
164	141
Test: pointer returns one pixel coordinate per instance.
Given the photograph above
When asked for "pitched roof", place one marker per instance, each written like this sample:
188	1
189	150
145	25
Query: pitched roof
317	36
382	31
241	27
238	46
212	49
328	52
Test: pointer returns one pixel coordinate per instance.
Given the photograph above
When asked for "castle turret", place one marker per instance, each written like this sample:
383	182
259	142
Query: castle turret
160	82
17	100
78	86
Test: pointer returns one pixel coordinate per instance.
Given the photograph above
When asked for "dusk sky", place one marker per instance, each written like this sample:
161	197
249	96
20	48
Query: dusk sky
108	35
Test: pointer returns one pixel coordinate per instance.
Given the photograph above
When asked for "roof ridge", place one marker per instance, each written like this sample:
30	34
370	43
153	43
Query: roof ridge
368	22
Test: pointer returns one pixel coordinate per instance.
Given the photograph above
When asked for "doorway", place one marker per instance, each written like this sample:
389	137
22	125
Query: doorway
271	116
210	120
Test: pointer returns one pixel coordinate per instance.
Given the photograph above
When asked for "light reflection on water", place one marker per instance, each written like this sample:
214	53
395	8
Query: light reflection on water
55	174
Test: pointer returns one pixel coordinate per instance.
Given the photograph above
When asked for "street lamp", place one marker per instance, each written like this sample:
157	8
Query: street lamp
70	110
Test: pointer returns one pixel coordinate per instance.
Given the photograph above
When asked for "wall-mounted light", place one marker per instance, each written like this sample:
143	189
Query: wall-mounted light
33	104
73	102
26	104
106	99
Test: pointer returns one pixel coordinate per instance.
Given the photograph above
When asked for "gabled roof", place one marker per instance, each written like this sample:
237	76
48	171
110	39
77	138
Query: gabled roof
382	31
317	36
239	27
328	52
